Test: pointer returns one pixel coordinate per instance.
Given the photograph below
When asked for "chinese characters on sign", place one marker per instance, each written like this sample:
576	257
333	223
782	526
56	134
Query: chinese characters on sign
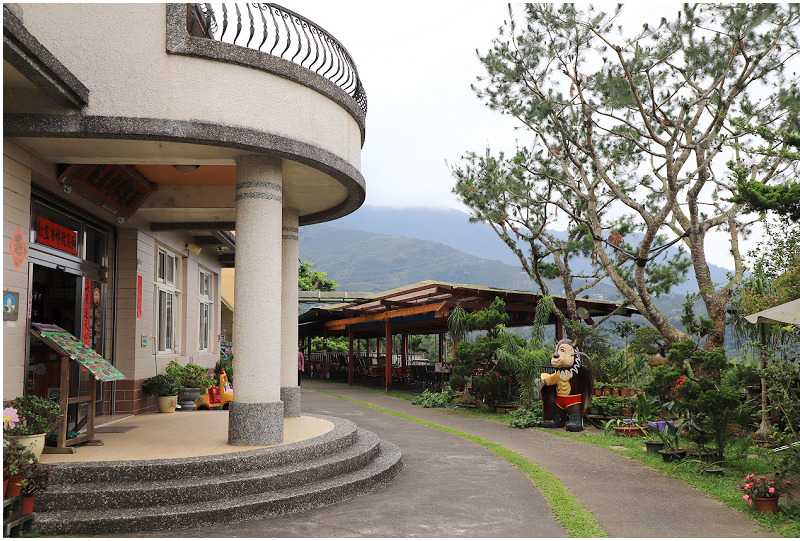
117	188
56	236
87	313
18	249
139	296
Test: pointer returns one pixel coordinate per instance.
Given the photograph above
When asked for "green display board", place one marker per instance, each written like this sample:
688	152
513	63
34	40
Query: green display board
66	344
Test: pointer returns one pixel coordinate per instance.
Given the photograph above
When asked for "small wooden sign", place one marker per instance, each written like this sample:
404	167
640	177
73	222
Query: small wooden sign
56	236
117	188
66	344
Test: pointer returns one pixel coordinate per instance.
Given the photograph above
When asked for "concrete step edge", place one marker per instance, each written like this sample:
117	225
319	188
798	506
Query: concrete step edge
147	493
386	465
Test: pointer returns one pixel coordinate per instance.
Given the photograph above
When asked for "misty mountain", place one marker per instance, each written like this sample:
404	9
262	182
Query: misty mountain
452	228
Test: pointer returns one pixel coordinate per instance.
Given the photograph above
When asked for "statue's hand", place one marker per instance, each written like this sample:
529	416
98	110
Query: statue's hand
544	377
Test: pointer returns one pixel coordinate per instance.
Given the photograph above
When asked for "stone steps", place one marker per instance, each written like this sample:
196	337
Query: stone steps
357	462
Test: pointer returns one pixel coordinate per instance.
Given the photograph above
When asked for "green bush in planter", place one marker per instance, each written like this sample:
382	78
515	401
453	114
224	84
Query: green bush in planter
161	385
36	415
190	376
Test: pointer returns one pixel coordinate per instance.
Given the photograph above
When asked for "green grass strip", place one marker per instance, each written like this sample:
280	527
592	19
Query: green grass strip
575	519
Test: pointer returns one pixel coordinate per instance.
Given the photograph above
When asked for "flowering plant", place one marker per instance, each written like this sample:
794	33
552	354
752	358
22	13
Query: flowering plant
762	487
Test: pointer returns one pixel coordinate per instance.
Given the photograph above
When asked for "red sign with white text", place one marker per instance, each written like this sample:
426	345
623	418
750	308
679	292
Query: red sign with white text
87	313
56	236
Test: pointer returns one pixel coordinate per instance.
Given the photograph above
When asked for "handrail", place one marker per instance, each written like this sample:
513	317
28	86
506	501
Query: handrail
290	36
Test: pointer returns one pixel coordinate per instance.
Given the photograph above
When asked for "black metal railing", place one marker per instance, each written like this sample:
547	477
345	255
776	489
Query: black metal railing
283	33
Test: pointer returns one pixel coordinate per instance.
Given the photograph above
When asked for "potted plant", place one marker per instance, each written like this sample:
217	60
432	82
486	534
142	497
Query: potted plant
646	411
764	491
36	480
17	462
192	379
36	417
671	438
166	389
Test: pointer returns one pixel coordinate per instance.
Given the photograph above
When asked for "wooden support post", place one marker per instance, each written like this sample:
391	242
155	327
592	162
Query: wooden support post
559	329
441	348
388	348
350	355
64	402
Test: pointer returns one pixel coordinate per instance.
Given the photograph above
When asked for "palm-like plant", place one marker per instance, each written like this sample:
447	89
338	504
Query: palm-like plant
526	362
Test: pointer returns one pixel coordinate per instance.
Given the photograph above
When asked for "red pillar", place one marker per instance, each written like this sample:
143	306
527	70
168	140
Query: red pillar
350	355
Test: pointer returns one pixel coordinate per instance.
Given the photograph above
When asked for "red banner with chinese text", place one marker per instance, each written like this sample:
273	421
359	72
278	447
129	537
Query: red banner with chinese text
56	236
87	313
139	296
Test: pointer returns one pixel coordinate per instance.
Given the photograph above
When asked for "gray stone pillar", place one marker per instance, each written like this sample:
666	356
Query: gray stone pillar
256	414
290	391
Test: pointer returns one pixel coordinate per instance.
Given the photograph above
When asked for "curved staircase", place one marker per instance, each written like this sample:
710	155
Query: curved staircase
199	491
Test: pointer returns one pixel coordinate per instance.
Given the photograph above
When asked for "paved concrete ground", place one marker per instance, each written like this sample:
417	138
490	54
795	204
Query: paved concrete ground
453	488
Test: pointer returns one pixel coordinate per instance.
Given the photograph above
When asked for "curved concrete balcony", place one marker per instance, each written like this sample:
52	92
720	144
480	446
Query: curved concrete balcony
139	85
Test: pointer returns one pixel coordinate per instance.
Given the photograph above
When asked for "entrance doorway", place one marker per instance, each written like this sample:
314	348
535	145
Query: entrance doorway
59	297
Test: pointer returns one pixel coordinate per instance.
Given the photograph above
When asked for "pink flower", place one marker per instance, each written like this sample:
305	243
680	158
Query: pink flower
746	497
748	486
771	490
10	417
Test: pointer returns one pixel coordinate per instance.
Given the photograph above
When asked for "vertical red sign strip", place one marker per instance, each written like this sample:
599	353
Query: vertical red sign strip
87	313
139	296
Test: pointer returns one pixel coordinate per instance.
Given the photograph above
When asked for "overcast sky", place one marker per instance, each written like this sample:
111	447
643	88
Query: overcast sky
417	62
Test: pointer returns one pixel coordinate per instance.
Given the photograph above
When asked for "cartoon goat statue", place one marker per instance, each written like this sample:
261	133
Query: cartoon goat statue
568	391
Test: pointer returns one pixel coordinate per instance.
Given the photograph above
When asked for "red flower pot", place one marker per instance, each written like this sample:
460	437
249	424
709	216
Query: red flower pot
5	487
26	505
14	486
768	506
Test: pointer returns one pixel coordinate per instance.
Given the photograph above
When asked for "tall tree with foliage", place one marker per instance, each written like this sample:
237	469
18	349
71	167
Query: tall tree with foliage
309	280
633	134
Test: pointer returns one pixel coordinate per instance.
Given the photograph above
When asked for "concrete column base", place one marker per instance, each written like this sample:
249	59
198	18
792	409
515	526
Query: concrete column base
291	401
255	424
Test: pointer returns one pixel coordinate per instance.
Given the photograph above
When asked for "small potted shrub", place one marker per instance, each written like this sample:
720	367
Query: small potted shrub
36	417
192	379
17	462
36	480
166	389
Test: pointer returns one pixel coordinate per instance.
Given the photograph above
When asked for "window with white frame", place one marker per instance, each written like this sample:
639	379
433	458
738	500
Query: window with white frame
167	301
205	298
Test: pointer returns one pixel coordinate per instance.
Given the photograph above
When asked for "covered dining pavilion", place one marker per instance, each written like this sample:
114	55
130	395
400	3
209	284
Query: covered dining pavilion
422	309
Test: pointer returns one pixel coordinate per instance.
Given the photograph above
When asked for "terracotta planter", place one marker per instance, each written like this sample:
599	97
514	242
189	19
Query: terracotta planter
614	392
629	430
26	505
598	392
768	506
166	404
34	443
606	391
14	486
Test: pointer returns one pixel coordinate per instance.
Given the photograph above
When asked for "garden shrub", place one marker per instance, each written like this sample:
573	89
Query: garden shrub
527	417
434	400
